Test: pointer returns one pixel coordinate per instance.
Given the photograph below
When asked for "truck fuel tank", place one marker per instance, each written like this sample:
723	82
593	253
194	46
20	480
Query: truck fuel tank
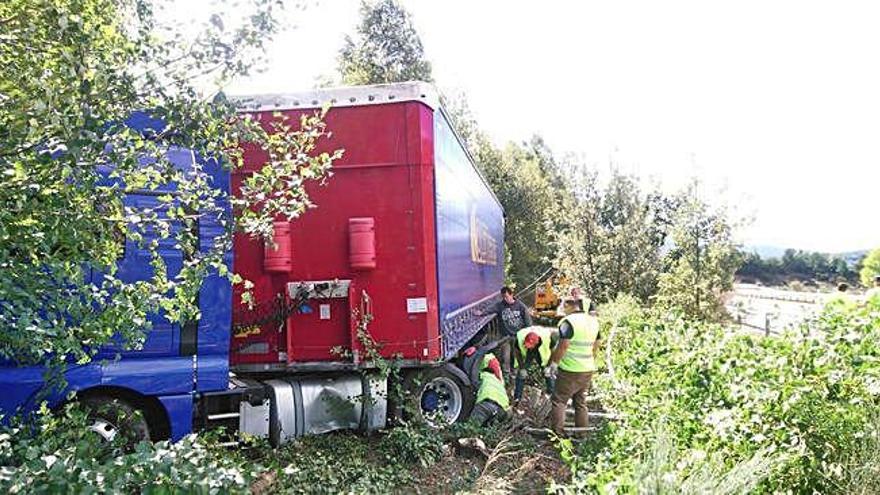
310	406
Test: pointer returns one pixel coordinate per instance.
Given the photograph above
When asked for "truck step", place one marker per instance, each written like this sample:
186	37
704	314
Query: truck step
222	416
569	413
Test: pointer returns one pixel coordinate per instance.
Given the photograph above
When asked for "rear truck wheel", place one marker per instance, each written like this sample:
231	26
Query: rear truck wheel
438	397
115	420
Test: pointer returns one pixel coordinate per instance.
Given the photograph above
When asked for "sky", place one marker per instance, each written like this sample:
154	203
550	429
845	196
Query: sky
775	106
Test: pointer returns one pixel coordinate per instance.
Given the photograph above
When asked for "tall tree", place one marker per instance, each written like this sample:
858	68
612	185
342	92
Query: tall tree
702	262
613	243
72	74
580	253
462	118
386	48
633	248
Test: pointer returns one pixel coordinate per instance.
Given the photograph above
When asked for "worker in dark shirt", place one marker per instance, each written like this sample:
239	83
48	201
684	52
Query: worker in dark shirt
514	316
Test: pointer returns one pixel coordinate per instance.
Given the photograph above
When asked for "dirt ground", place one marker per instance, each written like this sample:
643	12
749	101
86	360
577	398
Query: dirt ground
519	471
517	455
522	467
518	459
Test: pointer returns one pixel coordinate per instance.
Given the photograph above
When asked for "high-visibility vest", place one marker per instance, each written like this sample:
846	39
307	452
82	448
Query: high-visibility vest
491	388
543	348
578	358
841	298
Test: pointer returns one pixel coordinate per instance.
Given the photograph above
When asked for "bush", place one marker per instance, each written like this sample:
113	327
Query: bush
338	463
811	394
57	453
623	311
412	444
658	472
863	466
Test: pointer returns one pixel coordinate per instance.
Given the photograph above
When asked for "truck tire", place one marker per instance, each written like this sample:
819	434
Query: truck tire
437	397
112	418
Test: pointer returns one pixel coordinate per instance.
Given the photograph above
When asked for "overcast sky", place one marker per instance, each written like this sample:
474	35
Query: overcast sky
777	103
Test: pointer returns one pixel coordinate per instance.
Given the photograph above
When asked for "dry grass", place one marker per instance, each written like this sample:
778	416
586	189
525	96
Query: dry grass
496	476
863	468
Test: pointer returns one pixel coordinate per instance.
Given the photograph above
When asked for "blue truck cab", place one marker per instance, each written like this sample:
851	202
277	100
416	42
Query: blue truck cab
164	378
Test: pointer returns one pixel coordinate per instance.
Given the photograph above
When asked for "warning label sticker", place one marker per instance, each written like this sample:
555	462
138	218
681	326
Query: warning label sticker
417	305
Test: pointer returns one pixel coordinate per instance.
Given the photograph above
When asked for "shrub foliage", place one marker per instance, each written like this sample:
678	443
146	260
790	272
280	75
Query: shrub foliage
808	397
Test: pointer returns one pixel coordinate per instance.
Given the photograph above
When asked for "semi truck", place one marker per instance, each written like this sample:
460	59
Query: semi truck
400	261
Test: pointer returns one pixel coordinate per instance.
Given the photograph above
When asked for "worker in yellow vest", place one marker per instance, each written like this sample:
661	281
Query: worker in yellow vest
492	403
573	362
534	346
841	296
874	291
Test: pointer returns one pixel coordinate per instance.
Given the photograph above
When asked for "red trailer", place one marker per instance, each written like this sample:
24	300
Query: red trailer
405	229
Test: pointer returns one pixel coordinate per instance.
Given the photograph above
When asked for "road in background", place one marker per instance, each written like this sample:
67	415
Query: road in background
758	308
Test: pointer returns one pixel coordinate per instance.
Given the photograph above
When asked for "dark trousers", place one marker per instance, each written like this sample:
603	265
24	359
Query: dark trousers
570	386
533	359
487	412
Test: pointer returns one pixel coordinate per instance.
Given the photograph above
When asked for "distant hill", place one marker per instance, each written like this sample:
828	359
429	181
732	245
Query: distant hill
853	257
767	251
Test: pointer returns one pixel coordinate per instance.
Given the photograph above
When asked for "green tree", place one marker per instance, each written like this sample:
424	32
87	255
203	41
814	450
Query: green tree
839	269
633	239
457	108
612	244
701	264
870	268
72	73
795	262
579	256
386	49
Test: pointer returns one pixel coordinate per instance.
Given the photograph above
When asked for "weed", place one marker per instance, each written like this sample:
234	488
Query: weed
412	444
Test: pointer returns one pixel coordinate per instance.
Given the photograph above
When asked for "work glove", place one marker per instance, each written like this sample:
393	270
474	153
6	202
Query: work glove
550	371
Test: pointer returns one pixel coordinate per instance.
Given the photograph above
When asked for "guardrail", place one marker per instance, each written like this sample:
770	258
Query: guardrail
819	299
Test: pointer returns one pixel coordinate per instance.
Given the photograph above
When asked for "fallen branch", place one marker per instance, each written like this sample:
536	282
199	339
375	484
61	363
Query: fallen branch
490	483
264	482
